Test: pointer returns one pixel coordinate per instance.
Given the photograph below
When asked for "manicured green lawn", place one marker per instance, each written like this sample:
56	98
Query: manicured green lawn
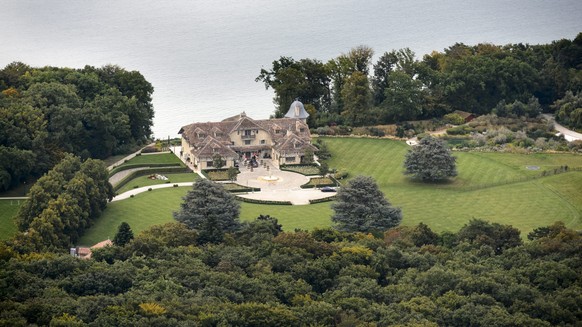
479	191
145	181
8	209
165	157
487	187
156	207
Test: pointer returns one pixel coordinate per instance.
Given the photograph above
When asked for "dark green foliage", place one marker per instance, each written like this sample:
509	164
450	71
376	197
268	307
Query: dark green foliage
217	161
322	150
261	276
63	203
569	109
306	80
469	78
90	112
232	173
124	235
210	210
361	207
430	160
498	237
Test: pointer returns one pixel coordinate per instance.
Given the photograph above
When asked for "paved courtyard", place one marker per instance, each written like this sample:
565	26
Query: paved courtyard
278	185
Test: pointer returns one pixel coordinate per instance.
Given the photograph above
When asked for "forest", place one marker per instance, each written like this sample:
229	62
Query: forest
483	275
352	90
89	112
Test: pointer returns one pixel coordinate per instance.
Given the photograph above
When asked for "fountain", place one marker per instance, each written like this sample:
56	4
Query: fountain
269	178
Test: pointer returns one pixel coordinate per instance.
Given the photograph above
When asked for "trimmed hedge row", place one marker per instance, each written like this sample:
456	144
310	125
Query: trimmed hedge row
150	165
206	171
240	188
335	183
149	171
290	168
314	201
255	201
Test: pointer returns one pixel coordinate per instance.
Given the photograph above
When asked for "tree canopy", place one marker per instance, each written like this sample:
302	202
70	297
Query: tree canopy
89	112
361	207
210	210
262	276
430	160
352	90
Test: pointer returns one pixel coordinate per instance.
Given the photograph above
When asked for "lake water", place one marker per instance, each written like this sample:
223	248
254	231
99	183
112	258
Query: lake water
202	56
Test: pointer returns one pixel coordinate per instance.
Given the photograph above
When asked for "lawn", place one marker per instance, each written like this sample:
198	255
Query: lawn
157	158
492	186
145	181
8	209
156	207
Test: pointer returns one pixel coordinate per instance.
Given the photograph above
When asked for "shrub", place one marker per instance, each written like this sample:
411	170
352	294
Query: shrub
175	185
149	189
132	196
454	119
136	186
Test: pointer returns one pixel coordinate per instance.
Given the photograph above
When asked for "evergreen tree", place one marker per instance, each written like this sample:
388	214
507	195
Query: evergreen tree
362	207
430	160
124	235
209	209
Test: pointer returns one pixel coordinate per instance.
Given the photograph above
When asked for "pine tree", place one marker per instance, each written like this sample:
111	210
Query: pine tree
209	209
124	235
362	207
430	160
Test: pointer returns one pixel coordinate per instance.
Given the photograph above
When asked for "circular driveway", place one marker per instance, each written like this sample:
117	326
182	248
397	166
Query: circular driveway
286	187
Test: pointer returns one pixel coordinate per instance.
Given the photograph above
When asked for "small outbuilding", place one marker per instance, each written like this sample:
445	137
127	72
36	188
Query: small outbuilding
467	116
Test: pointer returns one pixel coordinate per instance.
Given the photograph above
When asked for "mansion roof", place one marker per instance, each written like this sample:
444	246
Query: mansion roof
207	139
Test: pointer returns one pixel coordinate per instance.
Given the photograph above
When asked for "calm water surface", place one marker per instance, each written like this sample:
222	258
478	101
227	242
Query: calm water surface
203	56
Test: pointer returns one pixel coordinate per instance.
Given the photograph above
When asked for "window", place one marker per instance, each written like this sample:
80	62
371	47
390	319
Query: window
289	159
263	142
247	142
277	131
302	130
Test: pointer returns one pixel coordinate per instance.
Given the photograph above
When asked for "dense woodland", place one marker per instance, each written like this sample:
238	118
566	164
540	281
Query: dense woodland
209	269
47	112
259	276
352	90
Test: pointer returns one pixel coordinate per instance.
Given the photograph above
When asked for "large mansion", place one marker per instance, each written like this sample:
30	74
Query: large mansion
239	138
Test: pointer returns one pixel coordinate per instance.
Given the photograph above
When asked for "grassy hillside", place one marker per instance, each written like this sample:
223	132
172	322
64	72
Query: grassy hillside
493	186
488	186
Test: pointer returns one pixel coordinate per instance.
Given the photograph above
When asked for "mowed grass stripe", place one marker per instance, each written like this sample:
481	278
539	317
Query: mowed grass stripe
8	210
156	207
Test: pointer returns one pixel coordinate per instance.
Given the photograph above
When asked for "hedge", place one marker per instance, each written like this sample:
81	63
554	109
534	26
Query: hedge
149	165
290	168
328	199
334	183
255	201
206	171
149	171
237	188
